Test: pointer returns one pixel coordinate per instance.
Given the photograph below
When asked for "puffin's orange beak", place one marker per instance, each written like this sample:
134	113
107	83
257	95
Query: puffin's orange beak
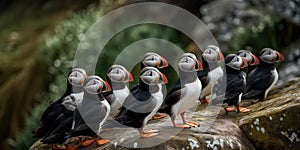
256	60
279	57
199	65
245	63
221	56
164	63
130	77
164	77
108	88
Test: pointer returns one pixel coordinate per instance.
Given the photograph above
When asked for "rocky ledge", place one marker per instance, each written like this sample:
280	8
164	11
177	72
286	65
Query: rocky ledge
272	124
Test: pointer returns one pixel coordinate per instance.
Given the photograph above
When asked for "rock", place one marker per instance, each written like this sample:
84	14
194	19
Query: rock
272	124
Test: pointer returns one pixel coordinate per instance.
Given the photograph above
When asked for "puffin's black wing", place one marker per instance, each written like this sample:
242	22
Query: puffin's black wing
258	81
234	86
136	107
170	100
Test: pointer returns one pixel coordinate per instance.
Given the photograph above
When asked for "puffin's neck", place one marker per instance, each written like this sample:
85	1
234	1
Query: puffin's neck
210	65
143	86
187	77
266	65
230	70
76	89
115	85
91	97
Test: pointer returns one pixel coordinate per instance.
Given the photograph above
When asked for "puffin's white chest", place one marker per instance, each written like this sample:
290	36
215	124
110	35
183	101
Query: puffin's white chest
213	76
157	100
275	74
189	98
107	107
120	98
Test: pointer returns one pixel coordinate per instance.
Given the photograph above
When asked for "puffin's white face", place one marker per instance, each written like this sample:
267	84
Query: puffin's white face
251	58
270	56
213	54
95	85
236	62
77	77
118	73
152	76
154	60
189	63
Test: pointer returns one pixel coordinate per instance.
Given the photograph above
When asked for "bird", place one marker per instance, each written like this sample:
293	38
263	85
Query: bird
117	76
234	86
263	78
57	109
183	97
151	59
212	71
92	112
251	59
142	103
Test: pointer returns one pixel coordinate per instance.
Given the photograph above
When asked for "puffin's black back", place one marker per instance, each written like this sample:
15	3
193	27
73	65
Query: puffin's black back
51	113
137	106
258	81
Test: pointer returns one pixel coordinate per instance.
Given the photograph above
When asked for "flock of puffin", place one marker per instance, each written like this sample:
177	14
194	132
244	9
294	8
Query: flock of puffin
88	102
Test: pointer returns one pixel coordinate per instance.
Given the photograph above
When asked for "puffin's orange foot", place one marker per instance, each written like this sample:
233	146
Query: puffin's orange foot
158	116
86	142
192	124
182	126
151	131
229	109
205	100
243	110
148	135
58	147
101	142
72	147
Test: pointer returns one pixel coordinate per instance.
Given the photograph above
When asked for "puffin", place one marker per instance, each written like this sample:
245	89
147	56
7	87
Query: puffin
92	112
183	97
212	71
139	107
117	76
263	78
58	110
251	59
151	59
235	84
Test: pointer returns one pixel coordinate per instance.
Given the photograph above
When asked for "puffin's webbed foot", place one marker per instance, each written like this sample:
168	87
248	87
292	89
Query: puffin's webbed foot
192	124
86	142
242	109
150	131
146	135
229	109
100	142
158	116
58	147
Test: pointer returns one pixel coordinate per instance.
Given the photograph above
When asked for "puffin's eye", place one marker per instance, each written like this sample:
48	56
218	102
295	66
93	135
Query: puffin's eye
151	73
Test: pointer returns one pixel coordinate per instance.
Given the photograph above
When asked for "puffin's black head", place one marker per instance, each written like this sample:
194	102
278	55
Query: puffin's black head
95	85
235	62
154	60
213	54
153	76
77	77
189	63
118	73
251	58
270	56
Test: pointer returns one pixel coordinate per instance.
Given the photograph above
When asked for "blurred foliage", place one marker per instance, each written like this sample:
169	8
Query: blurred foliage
273	32
58	51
